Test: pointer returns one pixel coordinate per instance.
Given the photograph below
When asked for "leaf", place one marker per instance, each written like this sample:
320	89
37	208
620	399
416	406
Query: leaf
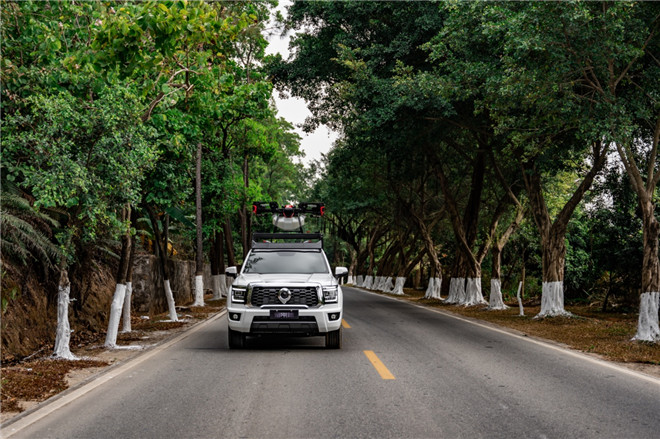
178	215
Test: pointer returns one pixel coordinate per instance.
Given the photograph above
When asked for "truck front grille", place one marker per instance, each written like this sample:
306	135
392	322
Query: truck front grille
299	296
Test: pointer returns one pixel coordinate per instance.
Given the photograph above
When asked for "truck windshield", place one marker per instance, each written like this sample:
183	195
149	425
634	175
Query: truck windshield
286	262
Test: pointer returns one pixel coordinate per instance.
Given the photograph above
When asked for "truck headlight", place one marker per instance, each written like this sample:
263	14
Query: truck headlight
238	294
330	294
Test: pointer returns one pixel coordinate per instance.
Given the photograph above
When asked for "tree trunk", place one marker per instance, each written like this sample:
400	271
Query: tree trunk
495	301
161	255
553	233
63	334
229	242
120	289
648	327
435	280
243	212
126	317
465	233
199	256
218	267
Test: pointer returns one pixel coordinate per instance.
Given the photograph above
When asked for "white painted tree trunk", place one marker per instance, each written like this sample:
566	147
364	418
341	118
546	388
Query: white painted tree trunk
552	300
115	314
199	291
170	301
216	285
387	285
495	300
456	290
398	286
382	285
360	281
376	283
520	305
224	285
434	288
648	328
349	280
368	282
438	288
473	294
63	334
126	311
429	289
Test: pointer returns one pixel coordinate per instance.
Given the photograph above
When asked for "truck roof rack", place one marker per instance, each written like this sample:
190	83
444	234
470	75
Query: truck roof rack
289	218
304	240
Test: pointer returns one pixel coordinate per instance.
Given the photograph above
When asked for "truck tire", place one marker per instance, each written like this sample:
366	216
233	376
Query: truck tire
236	339
333	339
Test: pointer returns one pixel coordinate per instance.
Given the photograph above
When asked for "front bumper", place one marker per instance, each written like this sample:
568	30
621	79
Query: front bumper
316	321
291	319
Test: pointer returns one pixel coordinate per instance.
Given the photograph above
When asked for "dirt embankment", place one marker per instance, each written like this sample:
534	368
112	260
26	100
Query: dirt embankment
29	301
29	316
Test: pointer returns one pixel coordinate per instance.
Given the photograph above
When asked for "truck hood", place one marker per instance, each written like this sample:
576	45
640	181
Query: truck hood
285	279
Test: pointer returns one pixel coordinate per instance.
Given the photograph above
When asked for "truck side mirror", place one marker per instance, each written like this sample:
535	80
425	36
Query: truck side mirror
341	272
231	271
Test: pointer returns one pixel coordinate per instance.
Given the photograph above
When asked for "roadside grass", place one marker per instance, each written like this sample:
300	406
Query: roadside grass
605	334
38	379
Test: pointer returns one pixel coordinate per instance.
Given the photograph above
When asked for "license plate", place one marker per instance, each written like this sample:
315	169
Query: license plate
278	314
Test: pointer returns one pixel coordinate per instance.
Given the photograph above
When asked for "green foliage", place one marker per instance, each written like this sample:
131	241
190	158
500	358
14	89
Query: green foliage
88	158
25	231
104	103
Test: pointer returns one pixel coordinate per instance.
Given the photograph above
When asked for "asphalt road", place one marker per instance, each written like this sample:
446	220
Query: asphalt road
404	372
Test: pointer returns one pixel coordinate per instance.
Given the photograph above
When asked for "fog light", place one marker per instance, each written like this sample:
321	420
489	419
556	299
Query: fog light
235	316
334	316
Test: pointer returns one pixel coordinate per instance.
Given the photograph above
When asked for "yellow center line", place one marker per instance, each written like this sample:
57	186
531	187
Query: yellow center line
380	367
344	324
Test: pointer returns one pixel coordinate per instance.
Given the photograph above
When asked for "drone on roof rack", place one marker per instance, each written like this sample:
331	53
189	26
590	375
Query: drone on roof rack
289	218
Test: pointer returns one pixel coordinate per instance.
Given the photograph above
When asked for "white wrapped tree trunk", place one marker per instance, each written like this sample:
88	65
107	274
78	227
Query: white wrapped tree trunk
170	301
495	300
552	300
216	285
456	290
436	291
199	291
438	288
520	304
473	295
115	314
382	284
434	288
63	334
387	285
429	289
126	311
398	286
224	290
648	328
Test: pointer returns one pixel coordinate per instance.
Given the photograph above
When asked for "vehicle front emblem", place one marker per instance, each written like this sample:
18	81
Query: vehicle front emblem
284	295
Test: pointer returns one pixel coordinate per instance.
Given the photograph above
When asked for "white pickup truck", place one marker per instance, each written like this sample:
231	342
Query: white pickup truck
286	288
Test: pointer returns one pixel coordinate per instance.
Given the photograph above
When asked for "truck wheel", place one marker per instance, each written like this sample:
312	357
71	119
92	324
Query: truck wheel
333	339
236	339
